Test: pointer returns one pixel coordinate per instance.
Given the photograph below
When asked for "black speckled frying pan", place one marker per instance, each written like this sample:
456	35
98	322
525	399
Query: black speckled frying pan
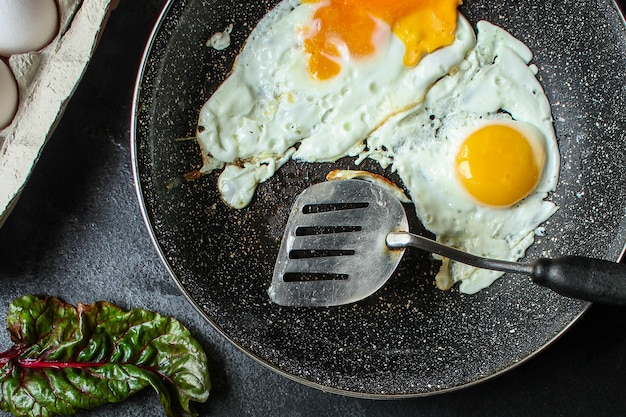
409	339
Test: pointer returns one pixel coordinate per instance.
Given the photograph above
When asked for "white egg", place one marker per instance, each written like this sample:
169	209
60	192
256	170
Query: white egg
27	25
8	95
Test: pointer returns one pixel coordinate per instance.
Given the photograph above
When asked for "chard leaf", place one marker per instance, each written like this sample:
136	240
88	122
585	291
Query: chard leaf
68	358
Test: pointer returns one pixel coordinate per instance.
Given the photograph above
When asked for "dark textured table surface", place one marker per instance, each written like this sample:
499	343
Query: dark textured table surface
77	233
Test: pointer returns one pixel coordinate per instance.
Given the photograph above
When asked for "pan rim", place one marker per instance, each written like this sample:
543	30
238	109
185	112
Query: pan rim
136	101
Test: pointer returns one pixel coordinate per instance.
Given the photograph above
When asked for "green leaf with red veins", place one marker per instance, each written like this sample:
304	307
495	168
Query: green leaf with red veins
68	358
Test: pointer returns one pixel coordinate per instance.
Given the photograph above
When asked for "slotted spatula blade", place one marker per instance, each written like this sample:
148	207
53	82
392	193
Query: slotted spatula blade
344	239
333	253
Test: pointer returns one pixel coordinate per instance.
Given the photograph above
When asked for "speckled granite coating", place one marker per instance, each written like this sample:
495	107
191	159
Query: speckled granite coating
409	338
77	233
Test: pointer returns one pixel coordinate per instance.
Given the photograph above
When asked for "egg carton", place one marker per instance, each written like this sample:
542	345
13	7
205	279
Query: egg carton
46	80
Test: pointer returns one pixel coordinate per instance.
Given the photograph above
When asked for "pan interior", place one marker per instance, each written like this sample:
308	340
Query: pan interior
409	339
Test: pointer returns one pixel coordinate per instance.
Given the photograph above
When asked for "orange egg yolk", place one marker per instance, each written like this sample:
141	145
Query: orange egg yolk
422	25
498	165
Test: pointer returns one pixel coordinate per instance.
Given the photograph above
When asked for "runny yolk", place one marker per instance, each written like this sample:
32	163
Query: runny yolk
422	25
498	165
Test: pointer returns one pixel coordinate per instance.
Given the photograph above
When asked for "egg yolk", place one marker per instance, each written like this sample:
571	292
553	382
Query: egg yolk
498	165
422	25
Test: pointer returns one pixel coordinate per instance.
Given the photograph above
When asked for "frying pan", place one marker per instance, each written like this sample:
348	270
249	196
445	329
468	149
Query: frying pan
410	339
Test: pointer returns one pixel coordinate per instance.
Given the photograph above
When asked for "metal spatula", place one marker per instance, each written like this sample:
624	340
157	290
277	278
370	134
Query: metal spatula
345	238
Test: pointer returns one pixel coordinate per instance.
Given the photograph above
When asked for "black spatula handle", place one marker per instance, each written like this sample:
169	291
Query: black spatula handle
589	279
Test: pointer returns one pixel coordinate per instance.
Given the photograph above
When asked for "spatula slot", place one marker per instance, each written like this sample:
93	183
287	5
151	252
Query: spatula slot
319	253
313	276
326	207
326	230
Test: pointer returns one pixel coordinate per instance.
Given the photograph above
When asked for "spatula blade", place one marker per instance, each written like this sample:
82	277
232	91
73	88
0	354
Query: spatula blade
333	251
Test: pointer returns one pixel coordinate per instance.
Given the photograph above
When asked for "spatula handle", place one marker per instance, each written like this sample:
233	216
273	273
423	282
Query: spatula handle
589	279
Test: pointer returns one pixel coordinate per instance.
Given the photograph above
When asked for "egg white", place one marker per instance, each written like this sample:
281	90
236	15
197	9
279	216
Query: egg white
270	102
412	119
495	83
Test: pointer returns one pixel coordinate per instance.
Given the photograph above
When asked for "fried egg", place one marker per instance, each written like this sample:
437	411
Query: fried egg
479	156
281	94
460	117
